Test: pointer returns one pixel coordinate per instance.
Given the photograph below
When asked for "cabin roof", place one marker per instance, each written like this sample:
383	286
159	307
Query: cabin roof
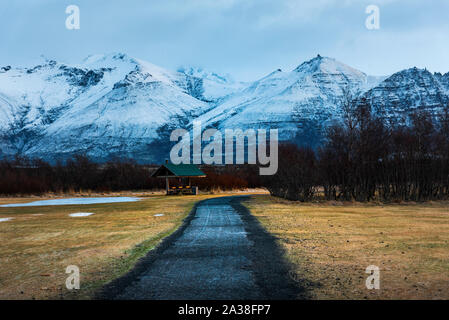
178	170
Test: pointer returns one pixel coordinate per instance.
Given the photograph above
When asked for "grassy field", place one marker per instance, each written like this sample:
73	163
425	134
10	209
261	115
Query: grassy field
331	244
40	242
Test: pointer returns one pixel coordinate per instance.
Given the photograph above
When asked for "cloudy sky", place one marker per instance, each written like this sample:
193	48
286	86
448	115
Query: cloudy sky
246	38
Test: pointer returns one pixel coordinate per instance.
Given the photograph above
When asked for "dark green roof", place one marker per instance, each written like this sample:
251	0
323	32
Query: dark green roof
178	170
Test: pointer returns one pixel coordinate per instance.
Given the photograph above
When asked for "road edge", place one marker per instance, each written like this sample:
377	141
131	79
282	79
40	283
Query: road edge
112	289
272	270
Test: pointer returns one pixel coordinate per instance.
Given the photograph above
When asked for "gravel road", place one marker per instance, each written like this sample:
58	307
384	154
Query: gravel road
220	253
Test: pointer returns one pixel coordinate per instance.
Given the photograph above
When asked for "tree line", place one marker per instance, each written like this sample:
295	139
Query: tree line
365	157
80	174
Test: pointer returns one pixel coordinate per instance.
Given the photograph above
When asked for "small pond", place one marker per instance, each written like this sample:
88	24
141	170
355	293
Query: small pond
62	202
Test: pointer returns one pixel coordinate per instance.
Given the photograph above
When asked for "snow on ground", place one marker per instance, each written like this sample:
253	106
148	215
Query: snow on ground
159	215
81	214
5	219
61	202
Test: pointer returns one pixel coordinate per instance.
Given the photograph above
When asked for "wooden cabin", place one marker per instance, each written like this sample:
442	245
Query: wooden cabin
178	177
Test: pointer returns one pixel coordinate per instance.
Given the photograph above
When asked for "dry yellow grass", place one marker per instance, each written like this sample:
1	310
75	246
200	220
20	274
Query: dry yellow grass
331	244
40	242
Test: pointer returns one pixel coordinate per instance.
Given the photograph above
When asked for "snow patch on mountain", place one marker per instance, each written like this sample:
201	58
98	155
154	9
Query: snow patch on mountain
211	86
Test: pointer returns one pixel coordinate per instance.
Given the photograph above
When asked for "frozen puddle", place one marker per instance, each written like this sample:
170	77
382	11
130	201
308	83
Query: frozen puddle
61	202
5	219
81	214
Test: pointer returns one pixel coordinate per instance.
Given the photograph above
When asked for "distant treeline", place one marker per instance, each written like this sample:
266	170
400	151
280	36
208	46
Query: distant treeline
26	176
369	158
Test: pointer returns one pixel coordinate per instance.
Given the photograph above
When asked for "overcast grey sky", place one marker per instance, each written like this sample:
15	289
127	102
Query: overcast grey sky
246	38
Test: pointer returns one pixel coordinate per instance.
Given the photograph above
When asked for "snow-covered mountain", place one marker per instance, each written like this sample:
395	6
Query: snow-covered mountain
117	106
409	90
309	94
110	105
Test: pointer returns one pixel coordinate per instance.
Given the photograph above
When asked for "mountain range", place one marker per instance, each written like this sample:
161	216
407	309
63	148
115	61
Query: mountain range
115	106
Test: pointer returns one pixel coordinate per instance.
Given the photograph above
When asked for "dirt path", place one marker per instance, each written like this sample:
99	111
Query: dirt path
220	253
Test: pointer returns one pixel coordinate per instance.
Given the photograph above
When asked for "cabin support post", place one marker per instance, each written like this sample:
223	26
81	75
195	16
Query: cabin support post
166	185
